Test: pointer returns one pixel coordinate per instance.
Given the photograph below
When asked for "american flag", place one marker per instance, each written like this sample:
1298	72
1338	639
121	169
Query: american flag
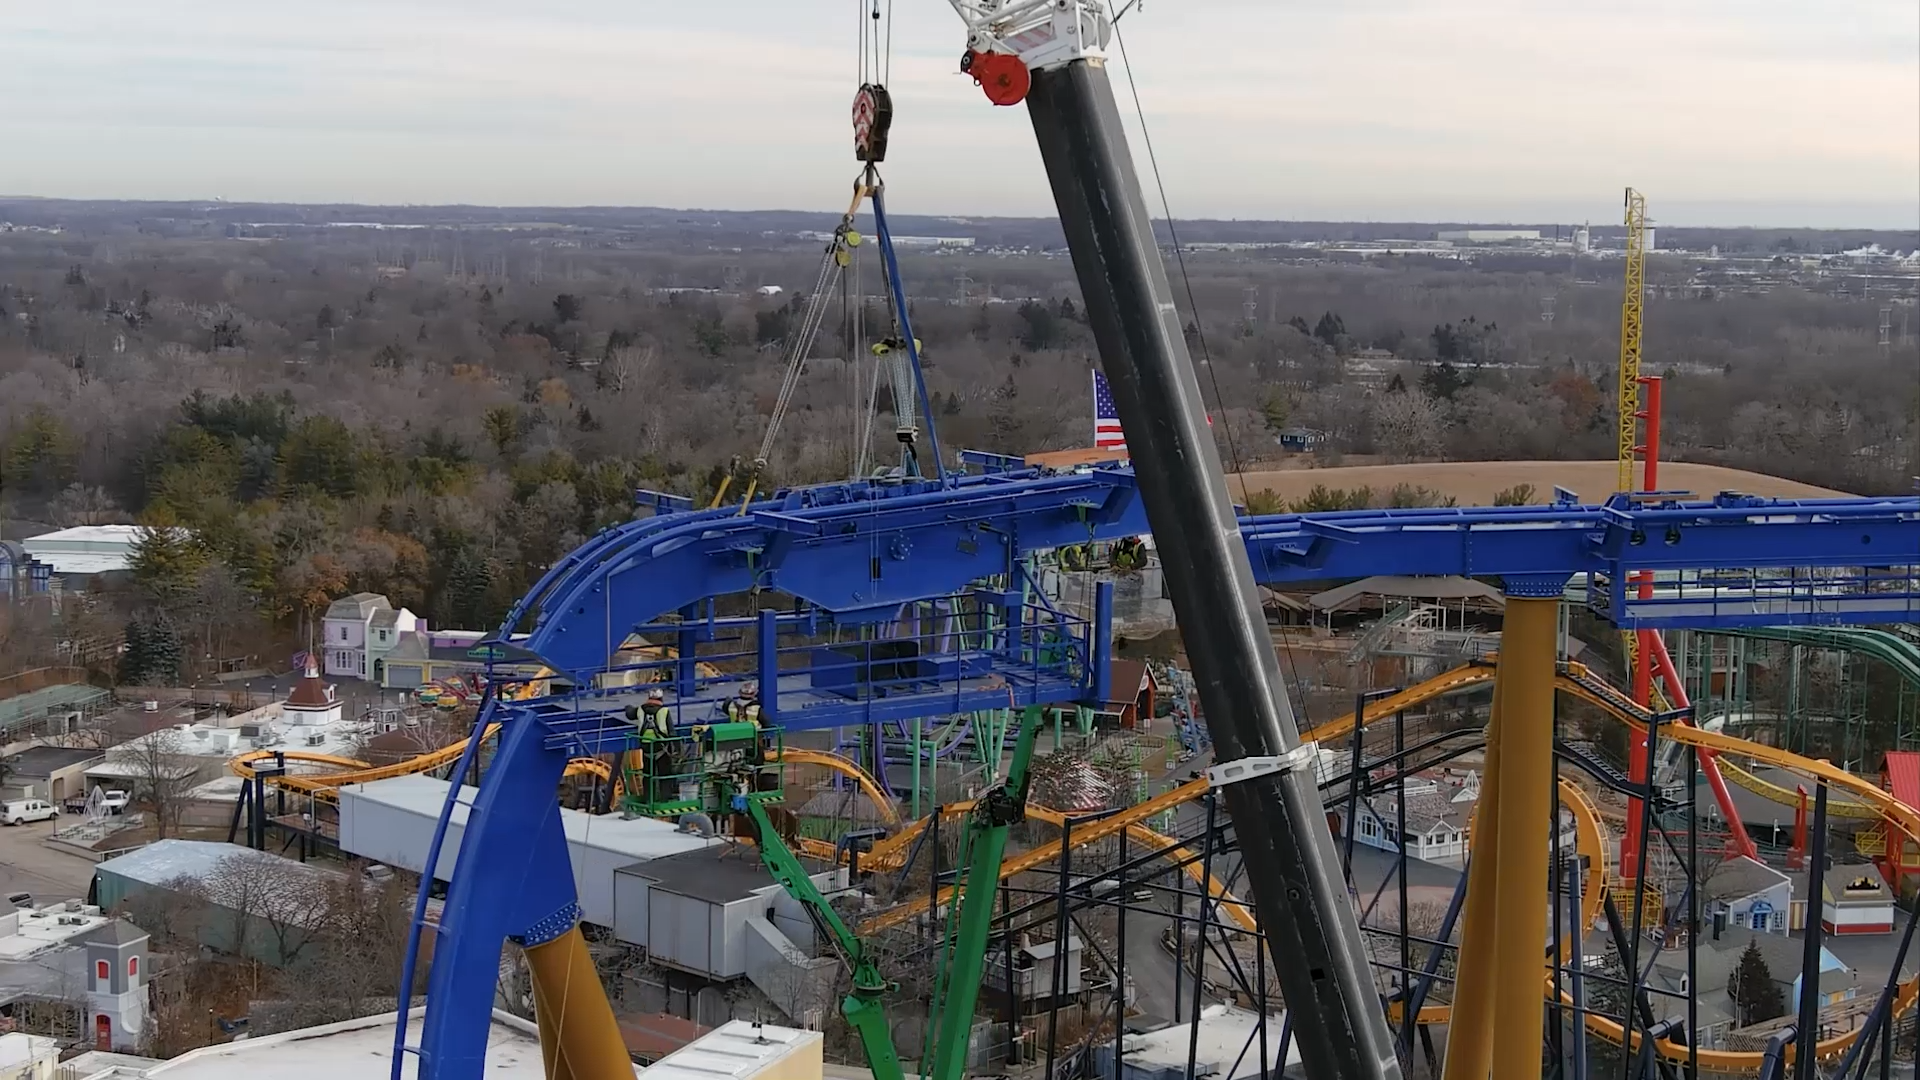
1106	417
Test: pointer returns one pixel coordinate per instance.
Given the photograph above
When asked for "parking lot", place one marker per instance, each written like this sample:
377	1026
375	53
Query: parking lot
28	865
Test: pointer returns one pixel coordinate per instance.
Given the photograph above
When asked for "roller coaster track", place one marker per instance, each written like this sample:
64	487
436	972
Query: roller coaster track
1863	800
1574	679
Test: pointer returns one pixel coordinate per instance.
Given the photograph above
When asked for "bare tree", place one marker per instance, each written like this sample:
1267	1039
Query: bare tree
162	776
352	967
173	914
79	504
627	368
1409	425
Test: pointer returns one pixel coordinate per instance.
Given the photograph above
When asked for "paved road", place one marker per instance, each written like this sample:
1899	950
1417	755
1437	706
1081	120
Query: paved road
28	865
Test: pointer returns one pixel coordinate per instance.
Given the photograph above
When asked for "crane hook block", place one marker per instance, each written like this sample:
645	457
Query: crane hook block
872	116
1003	76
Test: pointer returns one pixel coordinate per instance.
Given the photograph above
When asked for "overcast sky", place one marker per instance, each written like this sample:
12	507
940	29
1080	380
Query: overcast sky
1726	112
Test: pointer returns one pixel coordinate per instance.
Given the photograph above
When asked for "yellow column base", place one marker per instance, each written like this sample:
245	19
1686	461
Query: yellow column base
1470	1030
579	1039
1528	646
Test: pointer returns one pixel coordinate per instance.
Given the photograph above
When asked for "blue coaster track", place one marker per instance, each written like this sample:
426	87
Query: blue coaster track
850	553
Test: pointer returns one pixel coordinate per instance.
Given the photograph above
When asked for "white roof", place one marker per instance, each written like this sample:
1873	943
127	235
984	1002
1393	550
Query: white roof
17	1048
740	1049
355	1050
1224	1033
85	549
30	931
338	738
637	839
89	534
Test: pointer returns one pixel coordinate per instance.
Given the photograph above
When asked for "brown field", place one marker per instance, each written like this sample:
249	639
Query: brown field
1475	483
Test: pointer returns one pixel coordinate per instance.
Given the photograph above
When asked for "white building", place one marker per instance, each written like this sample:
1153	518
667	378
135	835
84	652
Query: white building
1226	1047
28	1057
353	1050
72	952
358	630
86	549
1491	236
1749	895
117	985
1437	820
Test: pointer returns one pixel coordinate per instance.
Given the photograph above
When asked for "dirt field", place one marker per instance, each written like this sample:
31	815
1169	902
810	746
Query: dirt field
1474	483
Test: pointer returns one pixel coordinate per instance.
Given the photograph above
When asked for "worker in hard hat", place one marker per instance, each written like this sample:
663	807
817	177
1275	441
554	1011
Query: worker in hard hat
745	709
656	742
745	706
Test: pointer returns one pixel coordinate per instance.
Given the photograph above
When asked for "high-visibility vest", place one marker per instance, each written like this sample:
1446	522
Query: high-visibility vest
741	709
655	722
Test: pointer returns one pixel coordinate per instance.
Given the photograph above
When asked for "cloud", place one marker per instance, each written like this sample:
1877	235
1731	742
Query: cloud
1382	109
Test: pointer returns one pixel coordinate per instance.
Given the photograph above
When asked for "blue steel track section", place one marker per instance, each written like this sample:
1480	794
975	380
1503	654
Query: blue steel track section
851	553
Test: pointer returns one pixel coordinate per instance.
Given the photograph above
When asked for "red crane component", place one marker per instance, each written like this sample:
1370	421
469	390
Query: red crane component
1003	76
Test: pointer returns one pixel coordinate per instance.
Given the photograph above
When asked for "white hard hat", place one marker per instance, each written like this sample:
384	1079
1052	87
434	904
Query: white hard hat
656	694
751	689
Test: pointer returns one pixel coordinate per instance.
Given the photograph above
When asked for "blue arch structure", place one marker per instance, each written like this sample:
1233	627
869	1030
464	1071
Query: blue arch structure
851	553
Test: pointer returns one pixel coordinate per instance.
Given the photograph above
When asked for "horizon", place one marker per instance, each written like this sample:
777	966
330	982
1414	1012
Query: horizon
1494	222
1724	112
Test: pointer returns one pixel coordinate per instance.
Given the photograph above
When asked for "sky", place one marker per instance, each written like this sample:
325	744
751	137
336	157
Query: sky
1725	112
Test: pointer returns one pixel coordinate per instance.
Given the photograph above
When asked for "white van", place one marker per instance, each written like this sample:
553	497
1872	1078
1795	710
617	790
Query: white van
19	813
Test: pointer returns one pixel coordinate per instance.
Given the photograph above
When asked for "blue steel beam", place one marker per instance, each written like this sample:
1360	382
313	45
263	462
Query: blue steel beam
867	543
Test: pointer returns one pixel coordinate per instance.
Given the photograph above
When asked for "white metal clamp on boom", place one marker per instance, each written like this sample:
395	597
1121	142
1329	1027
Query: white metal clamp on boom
1251	768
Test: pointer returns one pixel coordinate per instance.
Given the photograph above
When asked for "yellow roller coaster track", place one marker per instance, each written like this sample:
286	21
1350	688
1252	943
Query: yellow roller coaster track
1863	799
1575	679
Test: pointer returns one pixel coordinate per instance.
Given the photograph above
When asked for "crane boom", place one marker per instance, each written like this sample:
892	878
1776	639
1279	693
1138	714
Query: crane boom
1298	891
862	1006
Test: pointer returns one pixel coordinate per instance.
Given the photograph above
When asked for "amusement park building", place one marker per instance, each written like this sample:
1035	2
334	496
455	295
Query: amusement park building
1855	900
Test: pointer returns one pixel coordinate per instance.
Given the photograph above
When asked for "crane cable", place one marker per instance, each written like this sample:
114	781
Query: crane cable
1193	305
833	262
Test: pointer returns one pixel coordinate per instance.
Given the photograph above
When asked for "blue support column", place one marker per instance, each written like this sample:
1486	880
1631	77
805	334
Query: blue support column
1100	642
769	665
515	880
687	668
1011	602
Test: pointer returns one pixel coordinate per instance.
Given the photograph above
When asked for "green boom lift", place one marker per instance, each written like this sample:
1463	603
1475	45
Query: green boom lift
1002	807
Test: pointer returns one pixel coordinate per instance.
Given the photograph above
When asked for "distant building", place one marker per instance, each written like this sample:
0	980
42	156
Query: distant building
86	549
69	560
358	631
423	656
1490	236
1300	440
72	954
1855	900
53	773
1747	894
21	575
1437	819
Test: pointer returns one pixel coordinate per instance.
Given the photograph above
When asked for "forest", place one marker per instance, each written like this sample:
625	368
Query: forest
437	412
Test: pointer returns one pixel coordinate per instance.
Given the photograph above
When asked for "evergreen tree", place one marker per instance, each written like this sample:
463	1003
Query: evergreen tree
1274	411
154	655
1755	994
1330	329
166	560
1443	380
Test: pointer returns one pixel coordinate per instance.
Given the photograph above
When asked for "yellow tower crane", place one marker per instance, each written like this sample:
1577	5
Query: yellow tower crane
1630	312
